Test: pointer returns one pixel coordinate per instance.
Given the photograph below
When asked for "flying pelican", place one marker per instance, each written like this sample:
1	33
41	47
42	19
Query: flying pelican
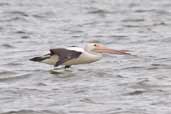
75	55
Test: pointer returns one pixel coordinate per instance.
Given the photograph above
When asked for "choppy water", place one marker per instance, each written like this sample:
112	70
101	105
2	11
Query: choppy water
114	85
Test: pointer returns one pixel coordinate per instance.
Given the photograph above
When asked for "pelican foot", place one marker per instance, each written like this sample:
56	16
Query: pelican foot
55	71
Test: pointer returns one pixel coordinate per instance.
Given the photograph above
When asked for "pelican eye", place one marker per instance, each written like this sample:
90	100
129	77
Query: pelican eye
95	45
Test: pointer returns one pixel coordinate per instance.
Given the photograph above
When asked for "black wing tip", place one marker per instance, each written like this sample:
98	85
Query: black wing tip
38	59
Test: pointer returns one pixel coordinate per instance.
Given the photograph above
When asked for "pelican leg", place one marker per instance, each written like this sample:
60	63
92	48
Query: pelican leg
67	66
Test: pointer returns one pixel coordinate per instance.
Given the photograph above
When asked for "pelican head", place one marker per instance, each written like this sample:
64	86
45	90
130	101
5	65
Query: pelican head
100	48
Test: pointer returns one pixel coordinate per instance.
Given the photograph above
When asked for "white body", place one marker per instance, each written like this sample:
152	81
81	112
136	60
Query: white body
84	58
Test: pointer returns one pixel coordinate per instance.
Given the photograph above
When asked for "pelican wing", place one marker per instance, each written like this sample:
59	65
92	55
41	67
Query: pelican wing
64	55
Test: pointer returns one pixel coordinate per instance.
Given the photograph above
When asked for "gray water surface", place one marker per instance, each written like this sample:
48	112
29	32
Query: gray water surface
113	85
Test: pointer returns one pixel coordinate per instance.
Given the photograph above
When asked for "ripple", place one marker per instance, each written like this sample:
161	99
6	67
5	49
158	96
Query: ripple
132	26
144	10
159	66
98	11
4	4
20	32
7	46
134	68
25	37
19	13
12	76
30	112
10	19
136	92
4	73
44	15
88	100
133	20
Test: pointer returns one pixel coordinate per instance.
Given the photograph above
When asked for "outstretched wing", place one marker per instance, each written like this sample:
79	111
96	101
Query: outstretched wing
64	55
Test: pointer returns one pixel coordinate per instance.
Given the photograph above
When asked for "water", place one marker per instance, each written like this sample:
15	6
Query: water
114	85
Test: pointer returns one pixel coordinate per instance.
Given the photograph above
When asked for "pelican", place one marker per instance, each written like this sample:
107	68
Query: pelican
75	55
